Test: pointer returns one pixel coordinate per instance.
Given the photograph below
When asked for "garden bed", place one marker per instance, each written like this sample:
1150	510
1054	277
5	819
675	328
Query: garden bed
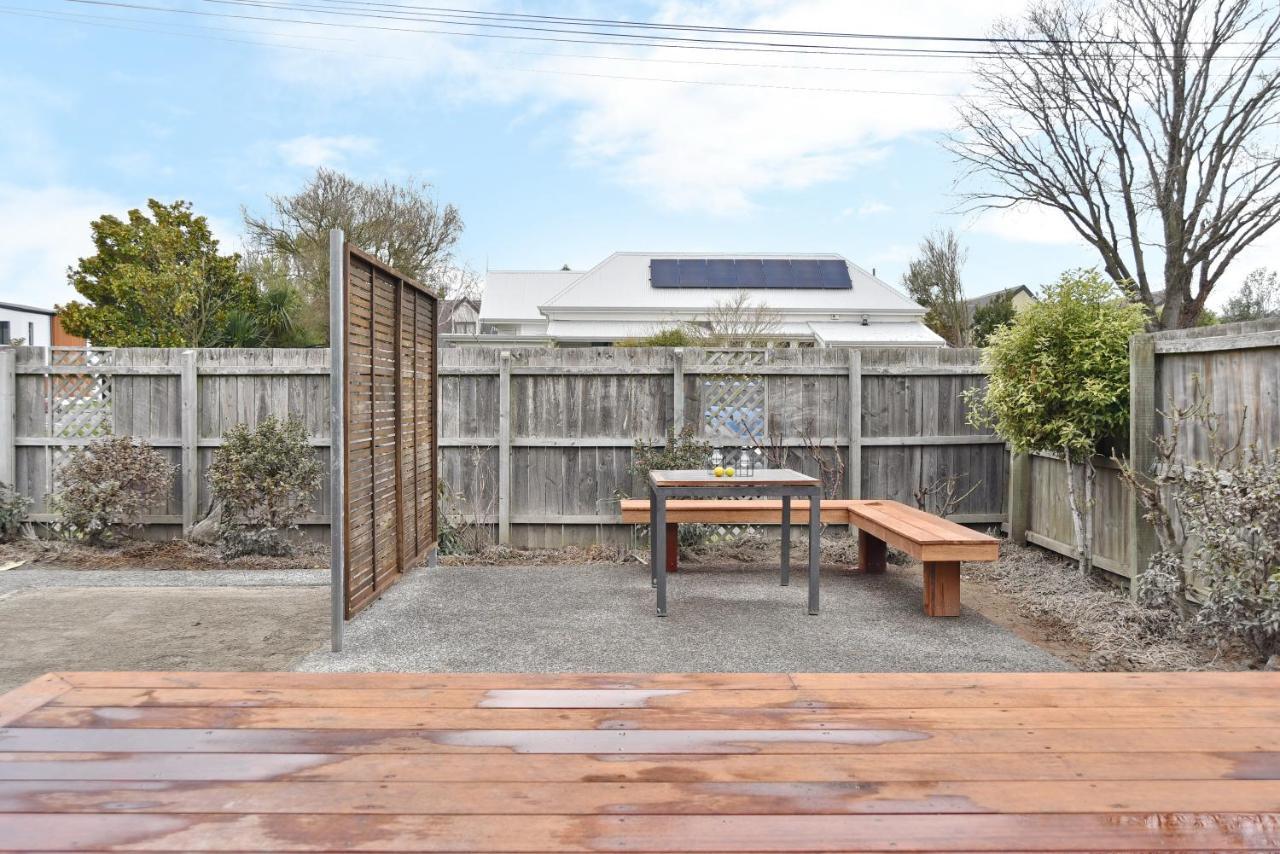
142	554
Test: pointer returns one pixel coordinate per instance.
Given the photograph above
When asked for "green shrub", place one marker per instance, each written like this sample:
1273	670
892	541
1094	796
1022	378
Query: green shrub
13	512
107	485
685	451
264	478
1059	383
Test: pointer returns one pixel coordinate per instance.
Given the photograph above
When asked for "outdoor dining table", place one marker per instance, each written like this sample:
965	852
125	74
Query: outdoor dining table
779	483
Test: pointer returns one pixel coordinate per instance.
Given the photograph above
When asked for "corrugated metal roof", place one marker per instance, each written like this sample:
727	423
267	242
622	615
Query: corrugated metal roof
836	334
516	294
622	281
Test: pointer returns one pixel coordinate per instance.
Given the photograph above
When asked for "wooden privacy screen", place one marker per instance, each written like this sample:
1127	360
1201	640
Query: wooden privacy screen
389	369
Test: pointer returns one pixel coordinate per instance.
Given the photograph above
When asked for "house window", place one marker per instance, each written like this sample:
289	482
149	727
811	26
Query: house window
31	334
4	332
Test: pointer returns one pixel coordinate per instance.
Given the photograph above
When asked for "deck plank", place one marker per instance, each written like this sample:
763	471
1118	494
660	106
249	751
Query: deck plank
663	698
641	762
331	717
761	833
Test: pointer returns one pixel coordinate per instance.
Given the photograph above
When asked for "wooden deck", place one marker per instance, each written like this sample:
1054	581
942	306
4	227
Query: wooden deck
661	762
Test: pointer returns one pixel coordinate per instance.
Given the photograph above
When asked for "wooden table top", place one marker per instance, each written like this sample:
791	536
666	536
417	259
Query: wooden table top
701	477
658	762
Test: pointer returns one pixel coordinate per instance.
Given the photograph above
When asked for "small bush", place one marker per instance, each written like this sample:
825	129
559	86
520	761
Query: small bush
13	512
685	451
264	478
107	485
1231	519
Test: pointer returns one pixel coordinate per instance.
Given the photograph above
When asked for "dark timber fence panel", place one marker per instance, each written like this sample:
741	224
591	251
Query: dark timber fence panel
390	384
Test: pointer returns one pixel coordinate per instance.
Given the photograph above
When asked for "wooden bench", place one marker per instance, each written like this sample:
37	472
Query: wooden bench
938	543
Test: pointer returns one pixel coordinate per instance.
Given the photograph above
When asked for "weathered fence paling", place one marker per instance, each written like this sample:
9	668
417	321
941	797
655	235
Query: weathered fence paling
180	401
537	442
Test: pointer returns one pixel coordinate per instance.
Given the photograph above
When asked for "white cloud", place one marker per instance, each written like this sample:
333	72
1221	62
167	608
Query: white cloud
311	151
872	208
1025	223
46	230
769	122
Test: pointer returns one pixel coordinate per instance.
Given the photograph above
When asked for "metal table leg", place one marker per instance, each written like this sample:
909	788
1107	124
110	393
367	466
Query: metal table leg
659	556
653	539
815	548
786	540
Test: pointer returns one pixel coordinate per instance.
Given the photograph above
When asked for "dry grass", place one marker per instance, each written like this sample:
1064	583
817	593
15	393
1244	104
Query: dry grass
1111	631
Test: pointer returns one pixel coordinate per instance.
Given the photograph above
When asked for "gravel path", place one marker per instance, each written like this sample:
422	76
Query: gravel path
601	618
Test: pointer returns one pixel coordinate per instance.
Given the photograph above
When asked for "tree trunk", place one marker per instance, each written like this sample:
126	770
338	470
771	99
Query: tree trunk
1084	554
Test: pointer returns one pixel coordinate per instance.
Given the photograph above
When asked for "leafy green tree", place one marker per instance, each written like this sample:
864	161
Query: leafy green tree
156	281
1059	382
1259	298
987	318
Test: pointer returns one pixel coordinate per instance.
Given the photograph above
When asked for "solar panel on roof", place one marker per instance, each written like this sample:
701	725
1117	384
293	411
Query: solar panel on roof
664	273
750	272
755	273
721	273
777	273
693	272
834	274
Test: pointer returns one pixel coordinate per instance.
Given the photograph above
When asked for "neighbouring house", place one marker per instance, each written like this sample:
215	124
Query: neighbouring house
1020	296
817	301
459	315
35	327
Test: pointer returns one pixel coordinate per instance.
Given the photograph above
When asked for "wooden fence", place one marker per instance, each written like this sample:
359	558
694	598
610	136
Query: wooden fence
180	401
537	443
1234	367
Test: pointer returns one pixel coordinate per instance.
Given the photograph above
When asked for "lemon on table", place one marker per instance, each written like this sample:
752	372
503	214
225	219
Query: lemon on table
728	472
718	471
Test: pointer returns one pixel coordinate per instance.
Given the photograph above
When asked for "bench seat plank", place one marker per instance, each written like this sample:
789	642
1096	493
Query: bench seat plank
746	511
920	534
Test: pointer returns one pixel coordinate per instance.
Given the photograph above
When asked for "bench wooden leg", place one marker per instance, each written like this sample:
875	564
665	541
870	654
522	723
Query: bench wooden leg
871	553
942	588
673	547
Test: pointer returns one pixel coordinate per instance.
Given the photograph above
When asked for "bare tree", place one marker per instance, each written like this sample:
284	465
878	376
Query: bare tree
738	322
933	280
1150	125
401	224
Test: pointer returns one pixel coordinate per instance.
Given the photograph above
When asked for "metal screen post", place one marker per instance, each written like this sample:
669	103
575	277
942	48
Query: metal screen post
337	436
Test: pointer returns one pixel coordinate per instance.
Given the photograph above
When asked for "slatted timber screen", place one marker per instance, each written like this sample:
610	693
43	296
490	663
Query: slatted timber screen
390	396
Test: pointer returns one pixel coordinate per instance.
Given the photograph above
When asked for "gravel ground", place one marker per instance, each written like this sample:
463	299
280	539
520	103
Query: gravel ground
601	618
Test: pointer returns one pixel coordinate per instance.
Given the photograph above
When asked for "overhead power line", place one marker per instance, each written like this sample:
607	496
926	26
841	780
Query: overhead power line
129	25
633	24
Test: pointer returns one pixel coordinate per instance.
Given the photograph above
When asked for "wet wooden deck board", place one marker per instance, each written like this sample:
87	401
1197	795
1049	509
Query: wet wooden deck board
641	762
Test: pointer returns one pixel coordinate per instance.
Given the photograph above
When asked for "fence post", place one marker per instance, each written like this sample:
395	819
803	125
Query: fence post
190	465
504	448
337	437
8	415
677	390
853	465
1142	449
1019	497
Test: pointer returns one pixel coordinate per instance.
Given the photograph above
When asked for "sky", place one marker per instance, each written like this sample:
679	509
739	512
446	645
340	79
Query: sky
554	153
